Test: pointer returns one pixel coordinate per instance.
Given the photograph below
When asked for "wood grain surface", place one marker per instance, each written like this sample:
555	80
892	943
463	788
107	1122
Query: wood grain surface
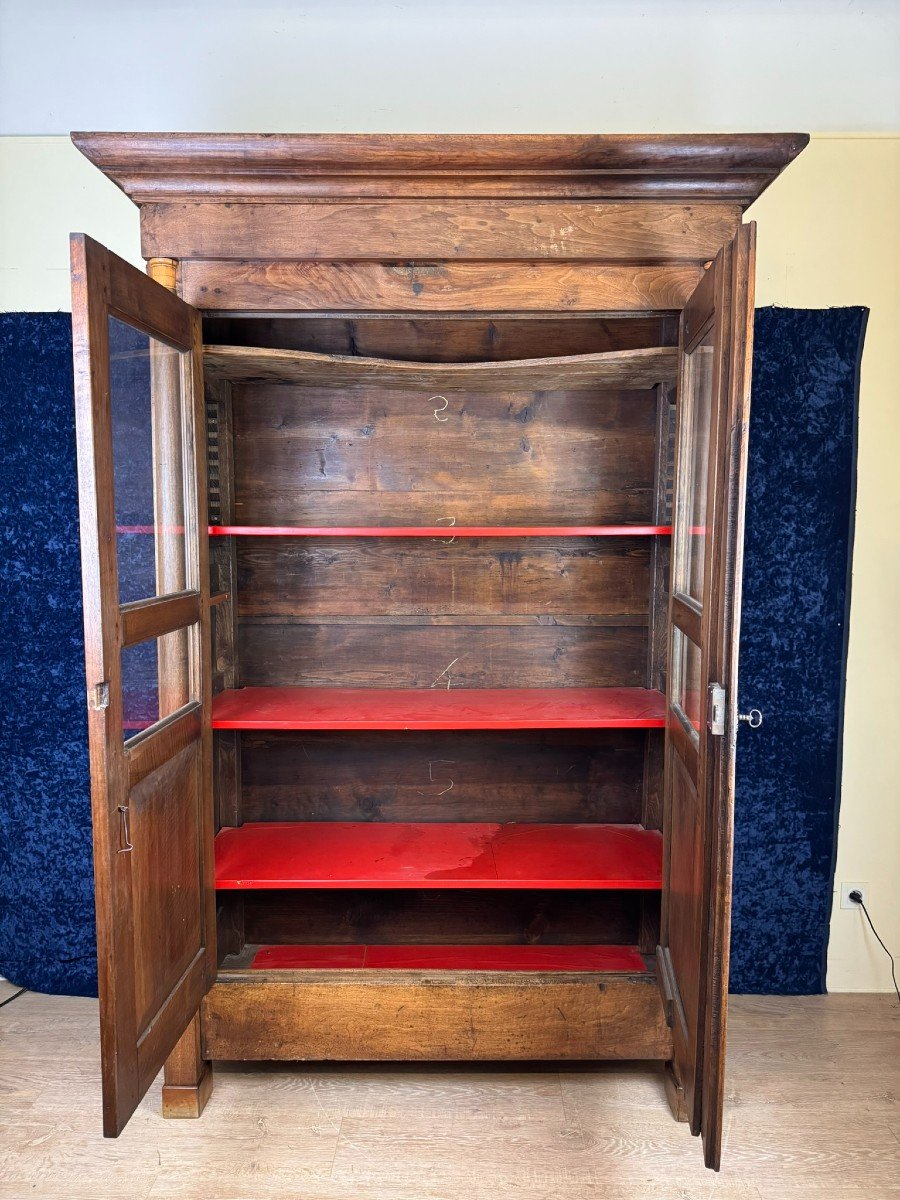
435	338
268	167
543	285
441	1015
460	229
632	369
503	775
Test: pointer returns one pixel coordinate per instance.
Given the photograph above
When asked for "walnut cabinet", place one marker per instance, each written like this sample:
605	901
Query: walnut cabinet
411	483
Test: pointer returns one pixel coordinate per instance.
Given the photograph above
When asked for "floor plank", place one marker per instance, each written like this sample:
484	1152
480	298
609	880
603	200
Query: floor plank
812	1114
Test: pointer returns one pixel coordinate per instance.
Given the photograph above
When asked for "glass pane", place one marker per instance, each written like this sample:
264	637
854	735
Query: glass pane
687	688
690	509
145	394
157	679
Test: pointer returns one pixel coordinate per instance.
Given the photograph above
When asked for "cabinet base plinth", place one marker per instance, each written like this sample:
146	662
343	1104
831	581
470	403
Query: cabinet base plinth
434	1016
675	1094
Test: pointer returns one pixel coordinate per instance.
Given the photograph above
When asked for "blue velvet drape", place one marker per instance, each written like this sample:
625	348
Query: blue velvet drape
46	884
799	530
800	501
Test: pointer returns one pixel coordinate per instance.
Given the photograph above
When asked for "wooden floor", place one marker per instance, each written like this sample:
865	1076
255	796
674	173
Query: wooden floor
812	1112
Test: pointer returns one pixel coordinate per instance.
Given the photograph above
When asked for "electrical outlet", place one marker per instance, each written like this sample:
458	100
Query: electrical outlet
847	888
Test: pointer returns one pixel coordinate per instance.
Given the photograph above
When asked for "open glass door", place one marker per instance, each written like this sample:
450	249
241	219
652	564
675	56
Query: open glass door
142	489
710	475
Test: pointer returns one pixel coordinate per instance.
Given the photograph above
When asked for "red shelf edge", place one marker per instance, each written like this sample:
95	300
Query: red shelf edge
280	855
439	531
466	957
274	708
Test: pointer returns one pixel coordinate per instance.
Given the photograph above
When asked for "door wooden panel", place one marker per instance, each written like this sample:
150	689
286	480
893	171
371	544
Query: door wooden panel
713	407
141	469
165	882
724	641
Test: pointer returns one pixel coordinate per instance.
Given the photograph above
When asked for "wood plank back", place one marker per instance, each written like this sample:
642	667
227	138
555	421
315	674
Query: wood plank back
433	338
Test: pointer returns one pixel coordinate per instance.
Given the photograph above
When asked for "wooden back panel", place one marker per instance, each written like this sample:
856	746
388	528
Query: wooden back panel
485	613
435	338
323	456
432	916
574	581
547	775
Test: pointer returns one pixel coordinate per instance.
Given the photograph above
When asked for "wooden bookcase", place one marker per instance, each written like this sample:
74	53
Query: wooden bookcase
411	482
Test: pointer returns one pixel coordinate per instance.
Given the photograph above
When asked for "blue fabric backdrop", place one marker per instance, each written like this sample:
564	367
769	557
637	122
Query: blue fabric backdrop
800	503
46	885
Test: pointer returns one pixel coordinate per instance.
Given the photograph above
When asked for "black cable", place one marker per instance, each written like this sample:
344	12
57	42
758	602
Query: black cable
856	897
9	999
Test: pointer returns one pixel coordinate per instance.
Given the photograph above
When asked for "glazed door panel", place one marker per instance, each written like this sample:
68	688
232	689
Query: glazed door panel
710	474
141	467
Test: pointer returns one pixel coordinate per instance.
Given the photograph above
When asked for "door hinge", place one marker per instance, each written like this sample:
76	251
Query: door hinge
98	697
716	710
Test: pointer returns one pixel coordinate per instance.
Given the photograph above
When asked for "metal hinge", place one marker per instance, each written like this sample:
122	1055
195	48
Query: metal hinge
98	697
716	710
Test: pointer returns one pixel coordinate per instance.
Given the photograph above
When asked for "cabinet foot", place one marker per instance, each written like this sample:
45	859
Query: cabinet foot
187	1077
180	1100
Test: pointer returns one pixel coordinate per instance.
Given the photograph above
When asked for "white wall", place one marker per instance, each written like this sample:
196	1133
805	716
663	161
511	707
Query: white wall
449	65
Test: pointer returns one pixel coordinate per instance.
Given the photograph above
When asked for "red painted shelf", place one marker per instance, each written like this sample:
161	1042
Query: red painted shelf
376	854
450	958
438	708
432	531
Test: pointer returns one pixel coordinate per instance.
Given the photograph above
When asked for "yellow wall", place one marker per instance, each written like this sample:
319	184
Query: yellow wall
47	191
829	234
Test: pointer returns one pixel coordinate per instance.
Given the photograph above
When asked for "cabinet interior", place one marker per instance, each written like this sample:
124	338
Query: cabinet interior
365	613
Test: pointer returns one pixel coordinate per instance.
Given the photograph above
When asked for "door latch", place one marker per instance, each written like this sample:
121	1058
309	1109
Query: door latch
98	697
716	710
126	840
